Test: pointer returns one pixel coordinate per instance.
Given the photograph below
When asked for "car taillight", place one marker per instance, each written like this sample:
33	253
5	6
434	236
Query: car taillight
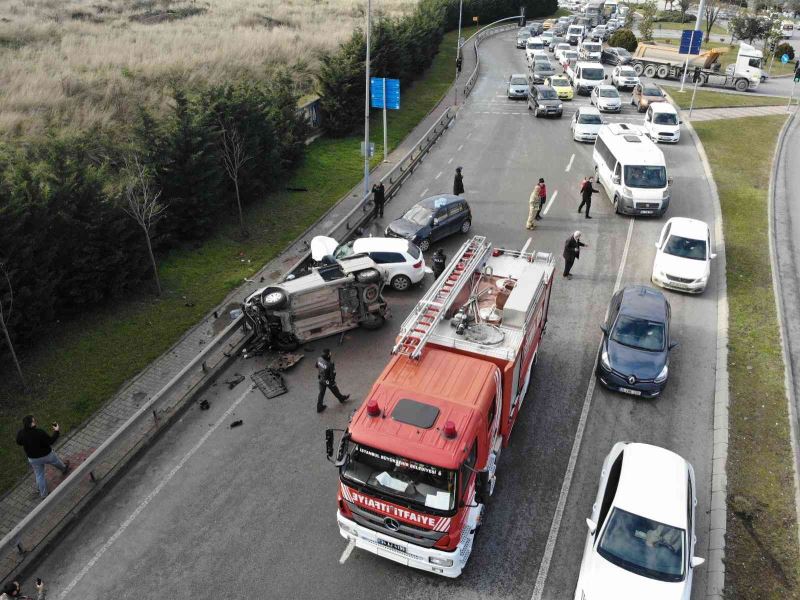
417	264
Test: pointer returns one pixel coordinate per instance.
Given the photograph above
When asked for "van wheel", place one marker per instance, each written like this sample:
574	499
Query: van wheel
616	205
465	226
368	276
286	342
372	321
401	283
273	298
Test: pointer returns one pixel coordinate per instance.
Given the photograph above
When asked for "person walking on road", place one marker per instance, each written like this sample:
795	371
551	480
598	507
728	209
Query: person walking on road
439	260
458	183
533	205
458	64
572	251
326	372
542	199
38	448
586	195
14	590
379	198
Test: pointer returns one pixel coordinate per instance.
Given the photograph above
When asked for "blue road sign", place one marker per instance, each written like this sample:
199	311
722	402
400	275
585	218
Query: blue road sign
691	39
376	85
785	58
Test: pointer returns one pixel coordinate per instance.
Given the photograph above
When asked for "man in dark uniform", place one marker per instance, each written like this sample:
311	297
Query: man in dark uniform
439	260
458	64
572	250
326	371
458	183
379	197
586	195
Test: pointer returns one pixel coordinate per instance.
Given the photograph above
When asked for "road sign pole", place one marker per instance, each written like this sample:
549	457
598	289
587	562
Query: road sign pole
691	106
791	96
685	70
385	136
366	105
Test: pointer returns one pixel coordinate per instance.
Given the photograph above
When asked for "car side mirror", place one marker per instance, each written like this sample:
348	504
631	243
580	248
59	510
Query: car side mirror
434	222
604	328
482	486
616	179
669	180
697	561
713	255
592	526
673	345
657	245
680	122
605	76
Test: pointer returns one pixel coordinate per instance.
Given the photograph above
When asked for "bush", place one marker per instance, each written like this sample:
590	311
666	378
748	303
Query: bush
784	48
623	38
674	16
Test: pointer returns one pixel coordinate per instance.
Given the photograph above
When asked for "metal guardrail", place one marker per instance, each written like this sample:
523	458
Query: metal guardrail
479	36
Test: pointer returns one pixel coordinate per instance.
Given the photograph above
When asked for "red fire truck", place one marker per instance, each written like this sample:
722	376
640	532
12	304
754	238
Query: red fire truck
417	461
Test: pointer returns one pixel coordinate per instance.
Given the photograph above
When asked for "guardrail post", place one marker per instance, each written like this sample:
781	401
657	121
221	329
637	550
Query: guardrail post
91	476
204	367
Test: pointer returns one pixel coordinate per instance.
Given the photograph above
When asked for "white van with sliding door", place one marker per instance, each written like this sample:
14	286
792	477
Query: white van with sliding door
632	170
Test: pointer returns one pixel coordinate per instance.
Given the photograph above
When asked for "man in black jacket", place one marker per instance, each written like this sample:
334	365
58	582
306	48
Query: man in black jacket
586	195
379	197
326	372
458	183
38	448
572	250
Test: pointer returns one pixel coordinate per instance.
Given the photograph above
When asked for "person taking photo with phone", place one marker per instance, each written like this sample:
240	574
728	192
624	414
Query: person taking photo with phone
38	446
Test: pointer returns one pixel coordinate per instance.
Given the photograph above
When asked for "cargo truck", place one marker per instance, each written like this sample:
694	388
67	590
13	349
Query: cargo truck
418	460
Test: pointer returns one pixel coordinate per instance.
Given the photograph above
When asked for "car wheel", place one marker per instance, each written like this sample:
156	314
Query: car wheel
370	293
465	226
372	321
401	283
424	245
286	342
368	276
273	298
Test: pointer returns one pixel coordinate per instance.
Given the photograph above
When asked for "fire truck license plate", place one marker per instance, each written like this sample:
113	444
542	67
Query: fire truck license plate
630	392
397	547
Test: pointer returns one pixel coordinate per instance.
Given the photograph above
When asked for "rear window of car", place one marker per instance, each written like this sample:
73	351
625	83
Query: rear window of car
413	250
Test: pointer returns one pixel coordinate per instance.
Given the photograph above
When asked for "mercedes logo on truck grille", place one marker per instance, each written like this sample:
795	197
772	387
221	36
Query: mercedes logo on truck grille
391	524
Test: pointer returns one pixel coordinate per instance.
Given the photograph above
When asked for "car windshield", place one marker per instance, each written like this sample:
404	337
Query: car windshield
627	73
547	94
535	45
559	82
592	47
622	52
590	119
665	119
344	250
574	30
593	74
609	93
545	67
645	177
685	247
405	480
652	91
643	546
519	81
642	334
419	215
571	55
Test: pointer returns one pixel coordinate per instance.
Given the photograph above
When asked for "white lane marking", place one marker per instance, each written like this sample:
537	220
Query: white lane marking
569	164
469	135
461	146
549	203
438	175
425	191
149	498
346	554
449	161
552	537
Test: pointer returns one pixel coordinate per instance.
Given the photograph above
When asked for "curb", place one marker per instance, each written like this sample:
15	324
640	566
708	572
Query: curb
715	584
789	382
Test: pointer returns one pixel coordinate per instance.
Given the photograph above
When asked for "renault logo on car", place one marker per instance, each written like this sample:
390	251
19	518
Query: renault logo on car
631	379
391	524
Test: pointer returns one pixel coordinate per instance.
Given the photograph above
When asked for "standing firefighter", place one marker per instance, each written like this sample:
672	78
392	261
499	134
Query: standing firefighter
458	183
439	260
534	205
379	197
326	372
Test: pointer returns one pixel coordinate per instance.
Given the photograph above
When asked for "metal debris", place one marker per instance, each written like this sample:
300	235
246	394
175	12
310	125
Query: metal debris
237	379
236	423
270	382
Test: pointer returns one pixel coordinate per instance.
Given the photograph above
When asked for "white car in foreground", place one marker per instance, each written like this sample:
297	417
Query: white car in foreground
399	260
683	256
641	537
661	123
606	98
586	124
624	77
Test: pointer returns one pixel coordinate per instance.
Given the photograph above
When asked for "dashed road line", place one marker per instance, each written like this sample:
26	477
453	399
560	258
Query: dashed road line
549	203
346	554
425	191
449	161
569	164
460	147
439	174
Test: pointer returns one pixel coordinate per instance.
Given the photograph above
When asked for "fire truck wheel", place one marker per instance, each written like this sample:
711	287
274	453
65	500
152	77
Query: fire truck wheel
372	321
370	293
286	342
368	276
273	298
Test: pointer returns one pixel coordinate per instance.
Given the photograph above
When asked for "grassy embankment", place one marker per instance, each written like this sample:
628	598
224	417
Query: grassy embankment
714	99
762	560
716	29
83	362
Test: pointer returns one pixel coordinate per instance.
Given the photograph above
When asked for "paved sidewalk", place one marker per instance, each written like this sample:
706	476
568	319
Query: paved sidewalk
81	442
713	114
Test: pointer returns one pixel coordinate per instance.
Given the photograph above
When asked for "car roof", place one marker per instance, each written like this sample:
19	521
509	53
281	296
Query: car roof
439	200
653	483
664	107
650	86
380	244
589	110
688	228
542	87
522	75
605	86
645	302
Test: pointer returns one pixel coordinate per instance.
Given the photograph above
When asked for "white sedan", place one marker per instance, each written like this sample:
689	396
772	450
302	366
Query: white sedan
559	51
641	538
683	255
606	98
586	124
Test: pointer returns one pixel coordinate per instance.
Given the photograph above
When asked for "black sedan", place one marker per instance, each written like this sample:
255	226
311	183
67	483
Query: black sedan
432	219
615	56
634	356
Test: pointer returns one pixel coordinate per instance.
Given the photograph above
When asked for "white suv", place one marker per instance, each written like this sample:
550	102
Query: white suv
661	123
400	262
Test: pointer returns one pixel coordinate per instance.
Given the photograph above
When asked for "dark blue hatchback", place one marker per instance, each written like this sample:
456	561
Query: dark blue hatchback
634	356
432	219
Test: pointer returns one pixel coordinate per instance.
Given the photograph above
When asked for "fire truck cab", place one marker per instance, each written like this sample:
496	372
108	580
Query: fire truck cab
417	462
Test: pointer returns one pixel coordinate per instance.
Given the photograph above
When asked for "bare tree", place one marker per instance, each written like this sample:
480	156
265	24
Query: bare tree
5	321
143	206
712	9
684	6
234	157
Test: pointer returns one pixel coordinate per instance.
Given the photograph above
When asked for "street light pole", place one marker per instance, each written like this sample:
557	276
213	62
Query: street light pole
697	25
366	105
458	51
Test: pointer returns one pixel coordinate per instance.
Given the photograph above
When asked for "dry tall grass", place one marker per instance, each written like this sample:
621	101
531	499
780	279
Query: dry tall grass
86	62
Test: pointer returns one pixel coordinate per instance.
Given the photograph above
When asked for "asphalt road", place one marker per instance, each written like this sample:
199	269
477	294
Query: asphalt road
212	511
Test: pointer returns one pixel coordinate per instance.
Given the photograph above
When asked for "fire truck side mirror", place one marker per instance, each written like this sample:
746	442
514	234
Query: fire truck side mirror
329	443
482	486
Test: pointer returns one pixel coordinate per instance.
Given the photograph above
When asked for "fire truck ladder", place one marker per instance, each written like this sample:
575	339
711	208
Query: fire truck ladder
434	305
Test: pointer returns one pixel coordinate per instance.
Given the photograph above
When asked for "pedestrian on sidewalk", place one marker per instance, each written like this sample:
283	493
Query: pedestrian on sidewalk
572	251
379	198
586	195
533	206
458	64
326	372
542	198
458	183
38	448
14	590
439	260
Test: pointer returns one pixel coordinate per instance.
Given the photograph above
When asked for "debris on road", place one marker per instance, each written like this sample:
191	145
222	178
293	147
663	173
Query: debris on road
236	423
237	379
204	405
270	382
283	361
